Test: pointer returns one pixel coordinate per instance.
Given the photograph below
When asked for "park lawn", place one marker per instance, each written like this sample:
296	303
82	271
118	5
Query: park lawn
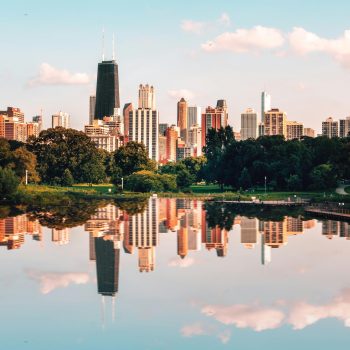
209	189
99	188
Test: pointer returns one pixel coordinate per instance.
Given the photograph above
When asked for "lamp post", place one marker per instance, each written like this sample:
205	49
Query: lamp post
26	177
122	184
265	184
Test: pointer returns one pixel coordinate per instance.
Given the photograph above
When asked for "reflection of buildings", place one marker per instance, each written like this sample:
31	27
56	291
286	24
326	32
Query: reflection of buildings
60	236
14	229
107	265
214	238
331	228
143	234
249	232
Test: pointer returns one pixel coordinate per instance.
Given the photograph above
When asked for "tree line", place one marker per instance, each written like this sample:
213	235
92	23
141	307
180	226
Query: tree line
63	157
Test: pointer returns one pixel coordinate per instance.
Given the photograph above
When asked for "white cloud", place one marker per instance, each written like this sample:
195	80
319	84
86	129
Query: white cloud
246	316
49	75
192	330
225	19
49	281
197	329
243	40
183	263
178	94
192	26
304	42
304	314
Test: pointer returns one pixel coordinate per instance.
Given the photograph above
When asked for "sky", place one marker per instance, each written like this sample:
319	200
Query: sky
205	50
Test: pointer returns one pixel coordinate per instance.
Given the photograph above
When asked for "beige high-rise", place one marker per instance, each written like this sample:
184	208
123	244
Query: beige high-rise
182	116
147	97
275	123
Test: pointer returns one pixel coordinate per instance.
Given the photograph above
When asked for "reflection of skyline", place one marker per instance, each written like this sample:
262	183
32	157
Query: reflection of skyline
111	228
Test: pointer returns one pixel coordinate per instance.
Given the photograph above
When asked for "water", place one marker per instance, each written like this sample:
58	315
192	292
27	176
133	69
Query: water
162	275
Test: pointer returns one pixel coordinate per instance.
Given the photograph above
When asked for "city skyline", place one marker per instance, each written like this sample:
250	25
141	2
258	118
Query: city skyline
190	44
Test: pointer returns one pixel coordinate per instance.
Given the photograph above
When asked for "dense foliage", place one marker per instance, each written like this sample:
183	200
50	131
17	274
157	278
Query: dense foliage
59	149
312	163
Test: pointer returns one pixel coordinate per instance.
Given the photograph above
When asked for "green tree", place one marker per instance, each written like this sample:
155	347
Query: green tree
143	181
131	158
5	153
59	149
168	182
323	177
25	161
294	183
67	178
8	183
244	180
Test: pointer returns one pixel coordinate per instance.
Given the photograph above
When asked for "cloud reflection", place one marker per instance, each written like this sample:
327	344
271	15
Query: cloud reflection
182	263
49	281
246	316
197	329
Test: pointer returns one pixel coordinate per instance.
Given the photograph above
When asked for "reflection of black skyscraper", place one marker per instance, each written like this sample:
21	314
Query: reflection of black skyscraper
107	89
107	266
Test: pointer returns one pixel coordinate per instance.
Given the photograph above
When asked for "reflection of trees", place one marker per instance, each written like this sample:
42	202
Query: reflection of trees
219	215
132	206
65	216
6	211
223	214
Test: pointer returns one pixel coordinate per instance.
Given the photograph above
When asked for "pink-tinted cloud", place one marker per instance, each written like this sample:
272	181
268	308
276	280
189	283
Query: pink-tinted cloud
192	26
49	281
177	94
305	314
246	316
198	329
304	42
182	263
49	75
225	19
243	40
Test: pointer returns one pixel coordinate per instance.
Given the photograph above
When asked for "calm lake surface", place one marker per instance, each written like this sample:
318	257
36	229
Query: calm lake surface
173	274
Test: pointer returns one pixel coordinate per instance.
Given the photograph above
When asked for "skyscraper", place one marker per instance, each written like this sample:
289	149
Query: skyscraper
107	89
107	266
330	128
249	124
295	130
212	119
92	106
344	127
222	105
193	116
182	118
147	97
61	119
265	104
128	107
275	123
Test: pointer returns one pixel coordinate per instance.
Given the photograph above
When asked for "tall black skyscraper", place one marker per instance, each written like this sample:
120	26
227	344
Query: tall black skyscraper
107	266
107	89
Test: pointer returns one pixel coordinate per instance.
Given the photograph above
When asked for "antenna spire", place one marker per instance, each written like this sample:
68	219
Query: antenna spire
113	48
103	44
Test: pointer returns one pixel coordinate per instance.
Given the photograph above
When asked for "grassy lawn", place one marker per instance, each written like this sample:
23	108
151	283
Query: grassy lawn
209	189
100	188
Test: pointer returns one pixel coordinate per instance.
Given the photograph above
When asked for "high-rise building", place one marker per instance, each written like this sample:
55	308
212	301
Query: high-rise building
261	129
107	266
213	118
295	130
61	119
162	149
128	107
330	128
92	106
222	105
107	90
249	232
172	134
344	127
193	116
275	123
39	120
265	104
195	139
143	128
249	124
309	132
182	118
14	114
162	128
147	97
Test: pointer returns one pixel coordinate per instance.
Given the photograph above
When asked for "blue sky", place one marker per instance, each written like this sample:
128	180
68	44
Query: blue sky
166	44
